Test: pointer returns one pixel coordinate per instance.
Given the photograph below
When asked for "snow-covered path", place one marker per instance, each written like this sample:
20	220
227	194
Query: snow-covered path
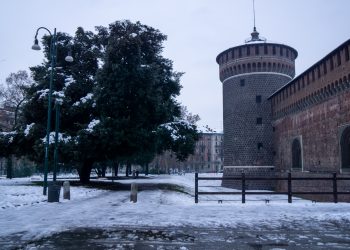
157	208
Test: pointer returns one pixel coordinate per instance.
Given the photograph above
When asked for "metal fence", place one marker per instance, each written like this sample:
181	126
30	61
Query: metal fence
289	179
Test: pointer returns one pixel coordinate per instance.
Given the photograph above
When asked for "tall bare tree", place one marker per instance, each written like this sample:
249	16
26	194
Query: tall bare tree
12	94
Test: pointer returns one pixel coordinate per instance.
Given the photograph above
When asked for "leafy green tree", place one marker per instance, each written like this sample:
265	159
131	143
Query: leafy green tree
136	95
73	87
117	101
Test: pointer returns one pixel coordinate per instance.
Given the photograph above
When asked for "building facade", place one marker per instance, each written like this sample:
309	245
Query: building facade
311	119
207	157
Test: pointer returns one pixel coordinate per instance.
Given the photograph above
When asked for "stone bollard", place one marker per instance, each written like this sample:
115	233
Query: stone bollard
66	190
133	194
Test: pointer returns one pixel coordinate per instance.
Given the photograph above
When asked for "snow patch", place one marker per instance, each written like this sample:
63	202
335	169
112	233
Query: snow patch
61	138
84	99
28	128
92	124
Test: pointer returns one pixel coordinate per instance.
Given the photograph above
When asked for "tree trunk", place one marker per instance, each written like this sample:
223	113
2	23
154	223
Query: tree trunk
116	168
104	167
128	169
146	169
9	167
85	171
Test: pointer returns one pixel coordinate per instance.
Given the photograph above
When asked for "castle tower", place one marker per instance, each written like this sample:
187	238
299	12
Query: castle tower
250	73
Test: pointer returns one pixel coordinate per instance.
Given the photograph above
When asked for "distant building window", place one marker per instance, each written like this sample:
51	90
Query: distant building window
313	75
258	99
248	50
242	82
240	52
259	120
273	129
281	51
318	71
256	49
324	68
287	53
347	53
260	145
265	49
274	49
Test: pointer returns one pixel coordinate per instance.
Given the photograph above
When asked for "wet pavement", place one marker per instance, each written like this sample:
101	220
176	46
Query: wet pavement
308	235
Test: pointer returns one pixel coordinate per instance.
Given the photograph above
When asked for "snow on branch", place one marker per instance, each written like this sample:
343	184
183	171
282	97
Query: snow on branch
61	138
8	135
91	125
84	99
174	128
43	93
28	128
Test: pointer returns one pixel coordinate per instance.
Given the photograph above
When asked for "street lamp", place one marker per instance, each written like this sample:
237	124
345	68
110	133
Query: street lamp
69	58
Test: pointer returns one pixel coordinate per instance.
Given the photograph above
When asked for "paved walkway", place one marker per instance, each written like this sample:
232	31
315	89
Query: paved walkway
333	236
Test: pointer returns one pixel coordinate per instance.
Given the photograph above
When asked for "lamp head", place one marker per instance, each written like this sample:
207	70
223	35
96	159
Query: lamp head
69	57
36	45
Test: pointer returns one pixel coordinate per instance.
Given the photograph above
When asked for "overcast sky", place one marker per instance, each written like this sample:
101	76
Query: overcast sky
197	30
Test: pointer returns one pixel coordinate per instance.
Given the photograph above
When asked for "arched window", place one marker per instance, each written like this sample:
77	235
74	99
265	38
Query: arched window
345	149
296	155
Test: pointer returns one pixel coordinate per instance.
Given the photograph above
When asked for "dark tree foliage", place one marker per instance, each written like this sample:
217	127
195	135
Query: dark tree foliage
117	101
136	95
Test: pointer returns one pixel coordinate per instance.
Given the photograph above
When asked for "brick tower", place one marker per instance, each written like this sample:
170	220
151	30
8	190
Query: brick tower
250	73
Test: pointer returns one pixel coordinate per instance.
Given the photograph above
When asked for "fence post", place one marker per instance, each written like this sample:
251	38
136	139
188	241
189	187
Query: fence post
335	188
243	187
289	187
196	188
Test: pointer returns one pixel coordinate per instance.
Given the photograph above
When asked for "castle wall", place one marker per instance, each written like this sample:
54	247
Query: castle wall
313	111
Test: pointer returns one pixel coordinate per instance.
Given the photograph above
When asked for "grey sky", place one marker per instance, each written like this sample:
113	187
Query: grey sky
197	31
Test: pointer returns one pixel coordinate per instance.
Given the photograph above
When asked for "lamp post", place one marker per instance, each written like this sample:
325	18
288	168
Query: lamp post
69	58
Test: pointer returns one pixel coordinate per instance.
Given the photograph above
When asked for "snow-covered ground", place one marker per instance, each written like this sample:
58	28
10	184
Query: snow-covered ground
25	212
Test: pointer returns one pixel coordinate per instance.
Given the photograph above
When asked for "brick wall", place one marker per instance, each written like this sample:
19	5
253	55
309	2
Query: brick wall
319	129
263	171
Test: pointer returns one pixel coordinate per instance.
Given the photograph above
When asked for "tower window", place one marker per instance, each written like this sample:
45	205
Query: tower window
242	82
259	120
258	99
260	145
